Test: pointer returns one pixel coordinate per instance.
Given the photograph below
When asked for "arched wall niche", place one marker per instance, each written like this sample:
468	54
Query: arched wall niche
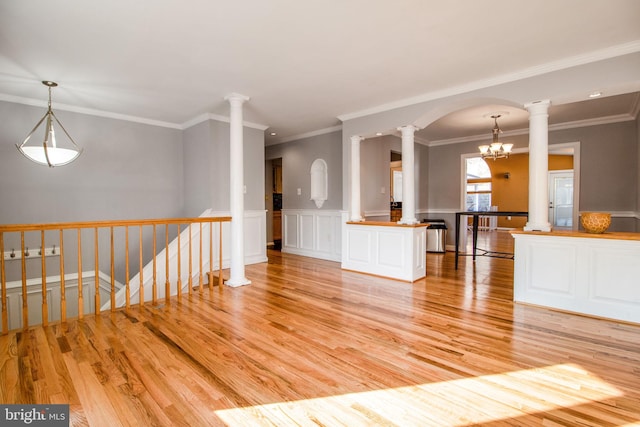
319	182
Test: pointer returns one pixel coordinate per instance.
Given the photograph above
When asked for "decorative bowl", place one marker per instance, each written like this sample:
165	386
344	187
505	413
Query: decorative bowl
595	222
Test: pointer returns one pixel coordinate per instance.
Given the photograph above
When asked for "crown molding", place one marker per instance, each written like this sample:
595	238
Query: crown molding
210	116
421	141
593	122
599	55
88	111
100	113
308	134
635	108
558	126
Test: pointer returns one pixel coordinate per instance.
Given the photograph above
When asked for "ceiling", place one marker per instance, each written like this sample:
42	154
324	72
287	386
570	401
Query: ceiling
303	63
476	122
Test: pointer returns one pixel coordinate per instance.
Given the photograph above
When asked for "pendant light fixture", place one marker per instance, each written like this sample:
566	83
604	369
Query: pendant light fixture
496	150
52	152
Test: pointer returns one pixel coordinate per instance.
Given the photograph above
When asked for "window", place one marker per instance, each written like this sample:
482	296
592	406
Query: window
478	185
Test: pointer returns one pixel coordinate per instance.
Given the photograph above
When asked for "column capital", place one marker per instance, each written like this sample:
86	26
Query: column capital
236	98
538	106
356	138
408	129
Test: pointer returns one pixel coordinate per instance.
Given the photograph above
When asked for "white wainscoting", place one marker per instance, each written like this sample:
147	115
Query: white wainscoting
255	237
590	275
34	297
393	251
312	233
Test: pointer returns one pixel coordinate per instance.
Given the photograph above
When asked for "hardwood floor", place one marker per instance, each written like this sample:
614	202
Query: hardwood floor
309	344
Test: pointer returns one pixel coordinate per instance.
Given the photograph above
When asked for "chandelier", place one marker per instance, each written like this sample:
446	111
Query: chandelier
51	152
496	150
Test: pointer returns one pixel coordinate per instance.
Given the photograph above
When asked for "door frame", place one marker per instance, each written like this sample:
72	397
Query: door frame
551	174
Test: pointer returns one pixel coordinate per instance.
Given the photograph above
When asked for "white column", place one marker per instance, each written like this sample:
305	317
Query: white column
355	213
538	166
236	190
408	176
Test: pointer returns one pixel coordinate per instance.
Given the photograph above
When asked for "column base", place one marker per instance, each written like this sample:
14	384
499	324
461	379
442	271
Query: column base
237	282
537	227
408	221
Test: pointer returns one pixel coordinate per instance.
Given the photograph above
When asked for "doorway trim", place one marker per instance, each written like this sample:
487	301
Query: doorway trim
572	148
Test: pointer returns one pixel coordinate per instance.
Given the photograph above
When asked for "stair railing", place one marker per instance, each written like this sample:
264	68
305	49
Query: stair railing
120	256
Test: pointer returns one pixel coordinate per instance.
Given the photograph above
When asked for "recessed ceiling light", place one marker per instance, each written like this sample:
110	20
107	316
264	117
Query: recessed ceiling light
595	94
273	134
378	133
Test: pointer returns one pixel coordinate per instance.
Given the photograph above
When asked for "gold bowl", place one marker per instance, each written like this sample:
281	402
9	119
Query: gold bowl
595	222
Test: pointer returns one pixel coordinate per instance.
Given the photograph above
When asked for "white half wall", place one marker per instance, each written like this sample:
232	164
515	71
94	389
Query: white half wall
589	274
312	233
387	250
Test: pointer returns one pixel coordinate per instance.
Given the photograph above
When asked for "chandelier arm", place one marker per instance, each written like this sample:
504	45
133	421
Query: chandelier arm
66	133
46	154
33	130
48	129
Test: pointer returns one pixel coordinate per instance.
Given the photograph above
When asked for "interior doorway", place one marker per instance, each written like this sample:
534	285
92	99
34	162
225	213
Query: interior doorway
395	185
273	202
277	203
561	199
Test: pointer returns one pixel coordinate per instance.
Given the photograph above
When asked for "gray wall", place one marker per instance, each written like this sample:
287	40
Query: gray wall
608	165
207	171
297	157
199	178
375	155
127	170
608	168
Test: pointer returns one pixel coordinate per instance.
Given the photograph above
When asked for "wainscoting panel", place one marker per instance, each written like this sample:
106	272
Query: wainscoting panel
591	274
306	241
312	233
34	297
386	250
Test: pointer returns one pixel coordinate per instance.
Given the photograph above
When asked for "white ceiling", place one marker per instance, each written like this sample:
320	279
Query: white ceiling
303	63
472	123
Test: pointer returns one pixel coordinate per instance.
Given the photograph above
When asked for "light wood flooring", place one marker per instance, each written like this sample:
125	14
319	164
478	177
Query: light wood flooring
309	344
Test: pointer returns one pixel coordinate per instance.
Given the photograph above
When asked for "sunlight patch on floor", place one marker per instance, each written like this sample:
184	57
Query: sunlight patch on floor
459	402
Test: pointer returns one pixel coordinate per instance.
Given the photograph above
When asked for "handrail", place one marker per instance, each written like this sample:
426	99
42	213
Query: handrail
116	265
114	223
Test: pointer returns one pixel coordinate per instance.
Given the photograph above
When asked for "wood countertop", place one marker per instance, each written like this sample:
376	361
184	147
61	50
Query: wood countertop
581	234
387	224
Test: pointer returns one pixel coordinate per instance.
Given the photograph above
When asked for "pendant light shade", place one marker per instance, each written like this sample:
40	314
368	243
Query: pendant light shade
52	151
497	150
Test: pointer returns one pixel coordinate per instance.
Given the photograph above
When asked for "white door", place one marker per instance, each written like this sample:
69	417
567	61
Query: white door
561	198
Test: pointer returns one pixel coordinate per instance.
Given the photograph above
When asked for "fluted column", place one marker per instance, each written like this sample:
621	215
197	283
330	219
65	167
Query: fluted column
408	176
236	182
355	213
538	166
